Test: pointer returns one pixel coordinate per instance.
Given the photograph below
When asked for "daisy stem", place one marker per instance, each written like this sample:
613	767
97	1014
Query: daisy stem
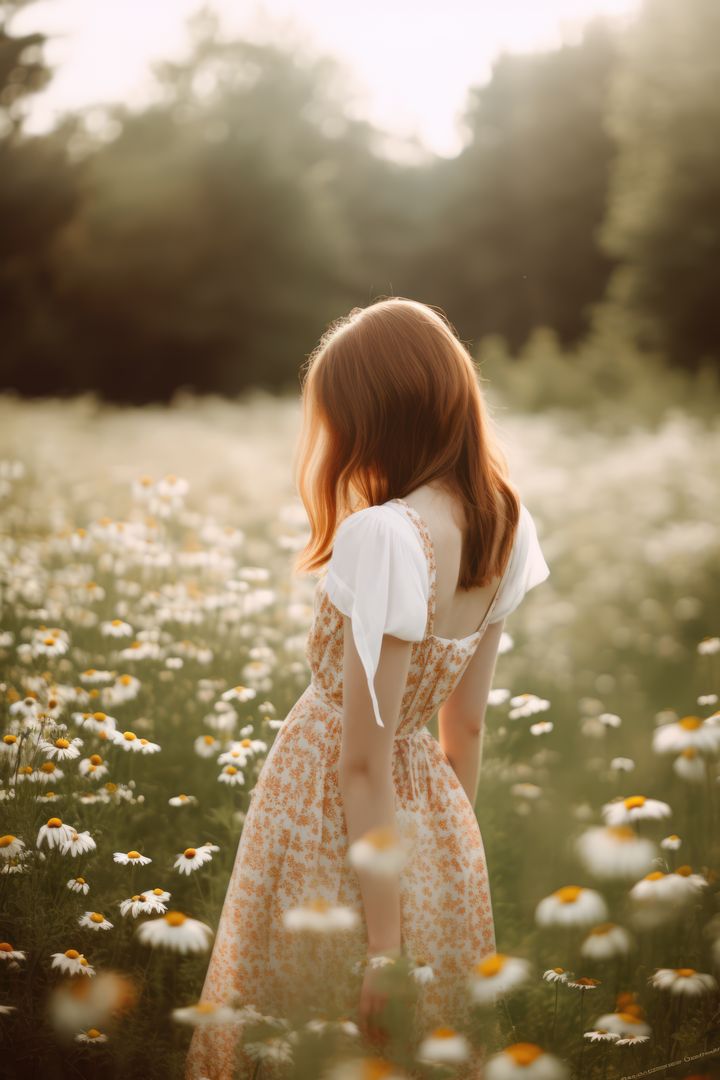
552	1037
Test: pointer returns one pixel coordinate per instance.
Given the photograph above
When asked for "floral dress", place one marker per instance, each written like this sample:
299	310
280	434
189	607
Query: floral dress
293	847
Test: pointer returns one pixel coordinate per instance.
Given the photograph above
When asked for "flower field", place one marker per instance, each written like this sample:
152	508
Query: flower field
151	643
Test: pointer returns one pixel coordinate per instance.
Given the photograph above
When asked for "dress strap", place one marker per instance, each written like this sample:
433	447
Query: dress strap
430	556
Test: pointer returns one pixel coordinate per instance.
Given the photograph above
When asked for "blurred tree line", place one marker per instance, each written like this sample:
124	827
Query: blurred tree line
207	239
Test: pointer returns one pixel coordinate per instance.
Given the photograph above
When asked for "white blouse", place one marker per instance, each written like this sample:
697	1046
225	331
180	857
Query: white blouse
378	576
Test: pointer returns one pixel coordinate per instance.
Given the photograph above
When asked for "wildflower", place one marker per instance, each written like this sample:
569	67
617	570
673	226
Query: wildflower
49	642
139	904
526	705
690	766
176	931
78	844
584	983
47	772
622	764
379	850
11	846
495	975
127	740
689	732
72	962
600	1035
78	884
239	693
95	920
615	851
556	974
320	915
131	858
525	1061
147	747
93	767
444	1046
623	1024
203	1013
686	982
206	745
709	646
632	1040
606	941
116	628
92	1035
54	833
191	859
572	905
7	953
634	808
671	842
183	800
231	775
421	971
63	749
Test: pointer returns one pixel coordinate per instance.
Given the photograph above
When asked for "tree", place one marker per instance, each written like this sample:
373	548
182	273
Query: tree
663	220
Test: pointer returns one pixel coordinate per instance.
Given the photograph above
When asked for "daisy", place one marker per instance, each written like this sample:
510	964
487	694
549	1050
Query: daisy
683	981
183	800
156	899
54	833
127	740
421	971
116	628
320	915
176	931
131	858
49	642
206	745
526	705
525	1061
48	796
444	1046
203	1013
690	766
95	920
542	727
495	975
138	904
72	962
632	1040
572	905
584	983
557	974
600	1035
379	850
93	767
78	844
92	1035
605	942
689	732
622	1024
231	775
671	842
622	764
78	884
48	772
7	953
709	646
147	747
11	846
239	693
634	808
63	749
615	851
275	1048
191	859
98	722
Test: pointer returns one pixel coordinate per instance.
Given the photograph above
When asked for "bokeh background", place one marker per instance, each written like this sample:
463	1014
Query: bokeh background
187	197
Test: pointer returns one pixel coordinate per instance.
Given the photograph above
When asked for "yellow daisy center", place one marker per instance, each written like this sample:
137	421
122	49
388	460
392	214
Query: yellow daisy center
47	767
684	871
654	875
95	759
97	917
92	1033
189	853
5	841
689	752
690	723
100	716
230	769
524	1053
129	735
685	972
205	1007
491	965
5	946
175	918
443	1033
62	744
80	880
567	895
634	801
621	832
9	739
72	954
319	904
54	823
381	838
133	854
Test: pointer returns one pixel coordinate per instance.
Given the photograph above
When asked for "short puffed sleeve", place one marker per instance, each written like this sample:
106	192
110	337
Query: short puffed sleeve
526	569
378	576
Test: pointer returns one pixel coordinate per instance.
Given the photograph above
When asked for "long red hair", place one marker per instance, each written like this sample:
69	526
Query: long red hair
391	400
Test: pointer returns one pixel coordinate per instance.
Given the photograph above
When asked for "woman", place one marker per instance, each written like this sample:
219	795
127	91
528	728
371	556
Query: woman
429	549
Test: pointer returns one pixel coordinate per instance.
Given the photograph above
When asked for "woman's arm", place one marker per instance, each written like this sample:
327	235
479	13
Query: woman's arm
365	772
461	718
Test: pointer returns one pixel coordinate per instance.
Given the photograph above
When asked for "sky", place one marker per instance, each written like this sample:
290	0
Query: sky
410	61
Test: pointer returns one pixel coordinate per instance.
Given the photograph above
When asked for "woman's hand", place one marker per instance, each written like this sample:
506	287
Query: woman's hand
372	1001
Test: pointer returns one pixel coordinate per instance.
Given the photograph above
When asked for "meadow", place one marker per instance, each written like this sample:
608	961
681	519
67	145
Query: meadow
151	634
